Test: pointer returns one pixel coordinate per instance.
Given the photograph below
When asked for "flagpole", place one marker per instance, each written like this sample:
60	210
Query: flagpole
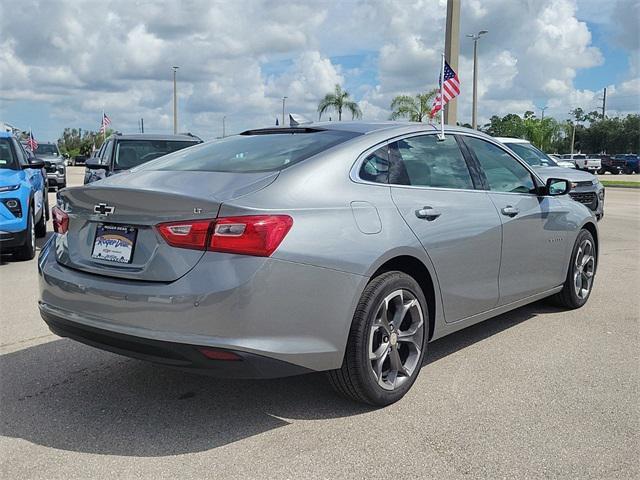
441	136
104	129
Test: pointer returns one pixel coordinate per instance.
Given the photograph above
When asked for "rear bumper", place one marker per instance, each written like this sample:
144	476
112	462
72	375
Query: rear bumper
285	311
178	355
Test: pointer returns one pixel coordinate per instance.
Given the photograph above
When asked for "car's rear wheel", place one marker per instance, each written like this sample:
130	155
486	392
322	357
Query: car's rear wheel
579	282
28	250
386	343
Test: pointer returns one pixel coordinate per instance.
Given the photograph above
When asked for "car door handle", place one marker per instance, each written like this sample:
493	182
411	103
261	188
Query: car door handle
428	213
510	211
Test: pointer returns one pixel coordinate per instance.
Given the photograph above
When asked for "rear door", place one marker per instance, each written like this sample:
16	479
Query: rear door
534	232
457	224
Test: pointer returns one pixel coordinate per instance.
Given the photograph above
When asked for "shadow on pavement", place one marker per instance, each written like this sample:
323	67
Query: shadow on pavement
8	256
68	396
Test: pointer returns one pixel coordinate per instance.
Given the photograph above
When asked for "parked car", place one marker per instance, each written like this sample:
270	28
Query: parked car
123	152
560	162
630	162
342	247
585	188
54	164
583	162
23	199
610	164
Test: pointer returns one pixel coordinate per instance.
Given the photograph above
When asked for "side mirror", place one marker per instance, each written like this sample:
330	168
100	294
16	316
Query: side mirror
34	162
94	164
558	186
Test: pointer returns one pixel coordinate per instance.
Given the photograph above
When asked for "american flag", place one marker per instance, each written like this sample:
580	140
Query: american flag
31	142
450	89
106	121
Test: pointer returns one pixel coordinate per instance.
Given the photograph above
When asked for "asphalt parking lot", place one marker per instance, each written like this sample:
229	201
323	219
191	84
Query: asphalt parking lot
535	393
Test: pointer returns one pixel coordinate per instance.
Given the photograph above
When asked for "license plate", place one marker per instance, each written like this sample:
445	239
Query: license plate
114	243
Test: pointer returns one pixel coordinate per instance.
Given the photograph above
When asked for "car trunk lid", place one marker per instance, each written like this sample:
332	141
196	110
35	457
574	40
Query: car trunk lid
135	202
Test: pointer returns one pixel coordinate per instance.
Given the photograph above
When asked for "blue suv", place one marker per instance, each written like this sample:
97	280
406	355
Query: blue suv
24	208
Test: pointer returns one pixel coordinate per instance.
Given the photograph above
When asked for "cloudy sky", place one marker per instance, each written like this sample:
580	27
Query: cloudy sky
63	61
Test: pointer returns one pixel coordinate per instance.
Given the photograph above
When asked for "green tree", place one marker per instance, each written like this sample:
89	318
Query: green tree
415	109
339	101
73	142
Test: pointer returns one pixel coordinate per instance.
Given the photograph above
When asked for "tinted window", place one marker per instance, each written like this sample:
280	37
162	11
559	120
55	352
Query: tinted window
375	167
131	153
47	149
531	155
7	158
432	163
503	172
106	153
252	153
22	155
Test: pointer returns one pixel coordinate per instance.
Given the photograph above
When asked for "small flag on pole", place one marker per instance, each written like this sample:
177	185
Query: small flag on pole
448	90
106	121
31	142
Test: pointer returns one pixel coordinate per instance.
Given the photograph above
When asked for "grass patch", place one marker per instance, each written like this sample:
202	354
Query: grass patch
620	183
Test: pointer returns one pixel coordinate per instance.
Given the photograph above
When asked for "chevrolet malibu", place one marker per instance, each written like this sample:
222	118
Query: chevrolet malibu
337	247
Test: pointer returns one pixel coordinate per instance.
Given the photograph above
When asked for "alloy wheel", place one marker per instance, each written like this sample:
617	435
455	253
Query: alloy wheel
395	339
584	269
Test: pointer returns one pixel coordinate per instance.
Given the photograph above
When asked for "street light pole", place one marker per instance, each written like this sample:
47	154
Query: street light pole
283	100
474	114
175	102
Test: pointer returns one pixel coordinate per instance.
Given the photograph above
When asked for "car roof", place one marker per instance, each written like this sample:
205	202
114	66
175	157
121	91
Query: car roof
157	136
511	140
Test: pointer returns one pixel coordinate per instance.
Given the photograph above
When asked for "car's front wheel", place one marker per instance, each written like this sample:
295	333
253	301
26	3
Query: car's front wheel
386	343
28	250
579	282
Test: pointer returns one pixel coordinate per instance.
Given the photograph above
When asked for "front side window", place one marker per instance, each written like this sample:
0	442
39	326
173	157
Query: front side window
531	155
429	162
503	172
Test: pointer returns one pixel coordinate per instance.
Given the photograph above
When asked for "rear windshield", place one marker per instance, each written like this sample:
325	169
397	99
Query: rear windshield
131	153
7	159
252	153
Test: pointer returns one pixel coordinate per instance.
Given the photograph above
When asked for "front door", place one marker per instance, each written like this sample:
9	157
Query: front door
534	233
457	225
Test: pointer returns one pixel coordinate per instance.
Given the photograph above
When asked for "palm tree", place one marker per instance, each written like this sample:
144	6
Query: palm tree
339	101
415	109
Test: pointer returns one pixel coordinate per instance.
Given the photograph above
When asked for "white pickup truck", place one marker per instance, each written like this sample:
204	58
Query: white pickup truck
582	162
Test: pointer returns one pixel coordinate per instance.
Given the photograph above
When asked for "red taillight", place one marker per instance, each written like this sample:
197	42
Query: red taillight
60	220
257	235
188	234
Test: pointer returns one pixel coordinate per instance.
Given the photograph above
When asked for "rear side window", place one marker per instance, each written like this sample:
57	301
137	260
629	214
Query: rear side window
428	162
503	172
375	167
252	153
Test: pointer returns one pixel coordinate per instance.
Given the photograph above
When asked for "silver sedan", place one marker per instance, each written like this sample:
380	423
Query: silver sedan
338	247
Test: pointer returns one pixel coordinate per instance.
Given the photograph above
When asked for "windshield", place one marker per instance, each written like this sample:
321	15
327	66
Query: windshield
532	155
253	153
131	153
7	158
47	149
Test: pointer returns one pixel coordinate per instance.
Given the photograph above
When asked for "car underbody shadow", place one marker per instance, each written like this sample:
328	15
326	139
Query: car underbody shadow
69	396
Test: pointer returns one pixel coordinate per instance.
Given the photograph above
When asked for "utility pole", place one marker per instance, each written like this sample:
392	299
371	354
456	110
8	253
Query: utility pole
573	138
142	125
542	109
224	127
451	53
475	37
283	100
175	102
604	102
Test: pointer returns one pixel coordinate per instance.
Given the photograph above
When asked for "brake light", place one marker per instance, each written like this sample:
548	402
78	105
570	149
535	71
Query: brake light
188	234
257	235
60	220
215	354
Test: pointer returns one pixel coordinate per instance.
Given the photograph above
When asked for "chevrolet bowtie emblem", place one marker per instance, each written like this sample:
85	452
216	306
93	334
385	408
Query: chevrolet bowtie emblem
104	209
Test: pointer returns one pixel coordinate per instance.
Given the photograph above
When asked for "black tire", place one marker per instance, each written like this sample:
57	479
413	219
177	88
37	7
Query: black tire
28	250
568	296
602	171
41	226
356	379
616	172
